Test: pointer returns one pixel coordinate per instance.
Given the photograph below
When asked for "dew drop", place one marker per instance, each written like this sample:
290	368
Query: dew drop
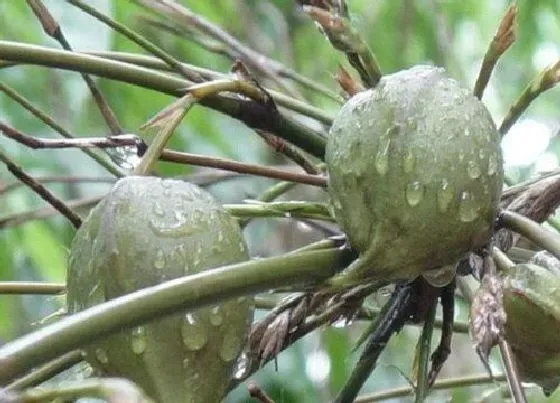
241	366
414	193
445	195
101	356
139	341
467	132
409	161
231	345
468	208
492	164
382	158
193	333
186	363
473	169
216	316
159	261
158	210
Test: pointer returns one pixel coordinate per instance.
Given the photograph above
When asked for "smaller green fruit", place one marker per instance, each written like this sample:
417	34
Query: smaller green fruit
531	301
144	232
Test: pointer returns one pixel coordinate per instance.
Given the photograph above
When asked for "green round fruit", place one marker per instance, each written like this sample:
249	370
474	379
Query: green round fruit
531	299
415	173
146	231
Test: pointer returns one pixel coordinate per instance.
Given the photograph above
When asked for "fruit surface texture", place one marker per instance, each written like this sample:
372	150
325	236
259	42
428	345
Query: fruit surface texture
146	231
531	300
415	173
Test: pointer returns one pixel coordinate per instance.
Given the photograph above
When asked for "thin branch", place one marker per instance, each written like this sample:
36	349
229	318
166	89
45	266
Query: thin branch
31	288
49	121
288	209
425	343
47	371
42	191
256	61
250	112
185	293
12	220
138	39
260	170
166	155
546	80
108	389
79	142
501	42
57	179
549	240
442	384
52	28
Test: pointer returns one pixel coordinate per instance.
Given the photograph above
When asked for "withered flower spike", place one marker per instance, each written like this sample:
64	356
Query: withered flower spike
349	86
487	316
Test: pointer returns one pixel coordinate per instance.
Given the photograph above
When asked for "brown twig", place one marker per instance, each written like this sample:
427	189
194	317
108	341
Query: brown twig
256	392
501	42
52	28
166	155
83	142
42	191
49	121
260	170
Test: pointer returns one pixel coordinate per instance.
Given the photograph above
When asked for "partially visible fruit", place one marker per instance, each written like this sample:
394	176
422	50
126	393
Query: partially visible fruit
415	173
531	300
146	231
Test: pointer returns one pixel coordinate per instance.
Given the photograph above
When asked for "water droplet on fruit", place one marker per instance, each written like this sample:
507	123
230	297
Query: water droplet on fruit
473	169
159	261
467	132
231	345
414	193
193	333
468	208
158	210
139	341
216	316
445	195
409	161
241	366
492	164
101	356
382	158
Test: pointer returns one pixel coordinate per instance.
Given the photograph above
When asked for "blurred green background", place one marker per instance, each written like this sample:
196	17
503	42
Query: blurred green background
402	33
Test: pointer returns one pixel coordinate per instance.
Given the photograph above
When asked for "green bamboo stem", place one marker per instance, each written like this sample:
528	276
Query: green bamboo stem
291	209
543	237
285	127
46	371
156	64
108	389
31	287
189	292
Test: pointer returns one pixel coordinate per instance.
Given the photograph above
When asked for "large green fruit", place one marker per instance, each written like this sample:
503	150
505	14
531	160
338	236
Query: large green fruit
146	231
531	301
415	173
